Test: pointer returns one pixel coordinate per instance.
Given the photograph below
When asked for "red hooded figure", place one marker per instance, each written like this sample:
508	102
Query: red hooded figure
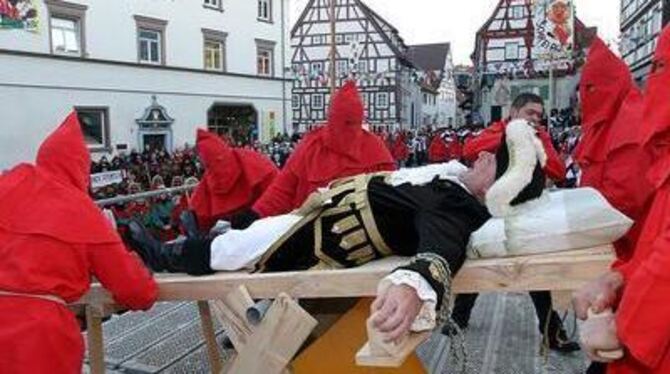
643	317
340	149
234	179
53	239
489	141
605	83
437	151
611	153
400	149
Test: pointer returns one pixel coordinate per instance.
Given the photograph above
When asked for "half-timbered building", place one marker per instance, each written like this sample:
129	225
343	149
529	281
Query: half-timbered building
506	62
368	49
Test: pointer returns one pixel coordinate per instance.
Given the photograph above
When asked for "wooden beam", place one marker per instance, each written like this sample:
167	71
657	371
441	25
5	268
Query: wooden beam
560	271
96	348
208	333
272	346
231	311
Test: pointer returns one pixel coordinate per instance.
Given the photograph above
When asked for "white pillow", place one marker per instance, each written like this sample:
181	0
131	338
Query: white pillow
559	221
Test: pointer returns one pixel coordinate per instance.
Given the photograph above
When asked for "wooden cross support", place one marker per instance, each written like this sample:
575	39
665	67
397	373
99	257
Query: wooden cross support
554	272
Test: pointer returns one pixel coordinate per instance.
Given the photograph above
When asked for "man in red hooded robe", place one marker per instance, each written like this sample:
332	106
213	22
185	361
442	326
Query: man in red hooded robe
340	149
400	149
53	239
641	325
531	108
611	154
234	179
438	151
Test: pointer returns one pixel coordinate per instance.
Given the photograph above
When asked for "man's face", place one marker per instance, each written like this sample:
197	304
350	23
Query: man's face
531	112
482	175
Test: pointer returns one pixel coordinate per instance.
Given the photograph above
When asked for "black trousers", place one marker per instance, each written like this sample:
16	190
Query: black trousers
541	299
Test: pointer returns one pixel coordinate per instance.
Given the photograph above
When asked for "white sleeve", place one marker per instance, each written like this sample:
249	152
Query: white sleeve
427	317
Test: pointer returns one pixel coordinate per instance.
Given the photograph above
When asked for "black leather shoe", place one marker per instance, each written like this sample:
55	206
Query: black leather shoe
148	247
156	255
189	223
560	342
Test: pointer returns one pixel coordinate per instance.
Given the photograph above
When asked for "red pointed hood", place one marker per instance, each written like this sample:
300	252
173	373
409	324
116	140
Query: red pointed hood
233	179
657	109
605	83
65	156
221	167
51	199
345	121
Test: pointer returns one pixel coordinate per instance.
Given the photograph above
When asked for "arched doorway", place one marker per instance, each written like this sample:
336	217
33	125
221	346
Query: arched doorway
237	122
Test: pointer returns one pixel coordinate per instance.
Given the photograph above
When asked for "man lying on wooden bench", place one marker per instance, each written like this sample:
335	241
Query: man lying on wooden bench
371	216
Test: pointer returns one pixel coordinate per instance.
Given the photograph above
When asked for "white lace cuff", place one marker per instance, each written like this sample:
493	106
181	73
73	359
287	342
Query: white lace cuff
426	319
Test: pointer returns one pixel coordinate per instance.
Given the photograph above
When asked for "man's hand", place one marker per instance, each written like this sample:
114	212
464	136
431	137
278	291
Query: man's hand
599	295
396	310
598	334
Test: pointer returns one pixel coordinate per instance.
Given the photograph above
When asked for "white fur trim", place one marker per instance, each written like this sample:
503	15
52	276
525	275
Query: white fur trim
523	157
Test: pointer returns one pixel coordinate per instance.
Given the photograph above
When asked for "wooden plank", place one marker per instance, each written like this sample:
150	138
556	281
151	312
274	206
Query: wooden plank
379	353
96	348
279	336
231	311
560	271
210	337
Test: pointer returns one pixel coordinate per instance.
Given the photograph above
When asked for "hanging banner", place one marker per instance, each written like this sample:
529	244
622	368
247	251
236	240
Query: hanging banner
106	178
19	15
554	22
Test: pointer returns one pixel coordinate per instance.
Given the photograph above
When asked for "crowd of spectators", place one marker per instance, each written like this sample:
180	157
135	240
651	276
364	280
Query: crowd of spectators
155	169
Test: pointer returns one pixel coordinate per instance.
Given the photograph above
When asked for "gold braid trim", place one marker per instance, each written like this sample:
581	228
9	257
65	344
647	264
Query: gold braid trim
440	271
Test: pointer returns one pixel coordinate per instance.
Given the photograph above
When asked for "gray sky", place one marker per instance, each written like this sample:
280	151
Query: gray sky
457	21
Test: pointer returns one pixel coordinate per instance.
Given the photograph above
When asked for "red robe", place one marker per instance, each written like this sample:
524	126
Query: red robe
400	149
611	154
340	149
454	149
643	316
489	141
605	83
438	151
53	239
234	179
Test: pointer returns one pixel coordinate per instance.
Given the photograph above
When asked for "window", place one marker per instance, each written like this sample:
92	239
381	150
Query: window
362	66
95	126
295	102
317	101
214	50
150	46
66	24
316	68
150	40
382	99
213	4
213	55
511	51
265	10
342	67
65	36
264	57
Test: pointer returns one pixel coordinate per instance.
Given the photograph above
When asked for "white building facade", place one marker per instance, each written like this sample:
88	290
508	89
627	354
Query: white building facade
369	50
641	24
199	63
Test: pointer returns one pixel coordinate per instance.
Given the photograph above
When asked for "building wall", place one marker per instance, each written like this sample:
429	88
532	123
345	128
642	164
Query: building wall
39	89
111	31
641	24
33	105
564	90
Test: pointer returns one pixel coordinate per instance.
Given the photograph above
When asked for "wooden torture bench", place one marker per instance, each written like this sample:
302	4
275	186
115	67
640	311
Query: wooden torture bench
270	346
